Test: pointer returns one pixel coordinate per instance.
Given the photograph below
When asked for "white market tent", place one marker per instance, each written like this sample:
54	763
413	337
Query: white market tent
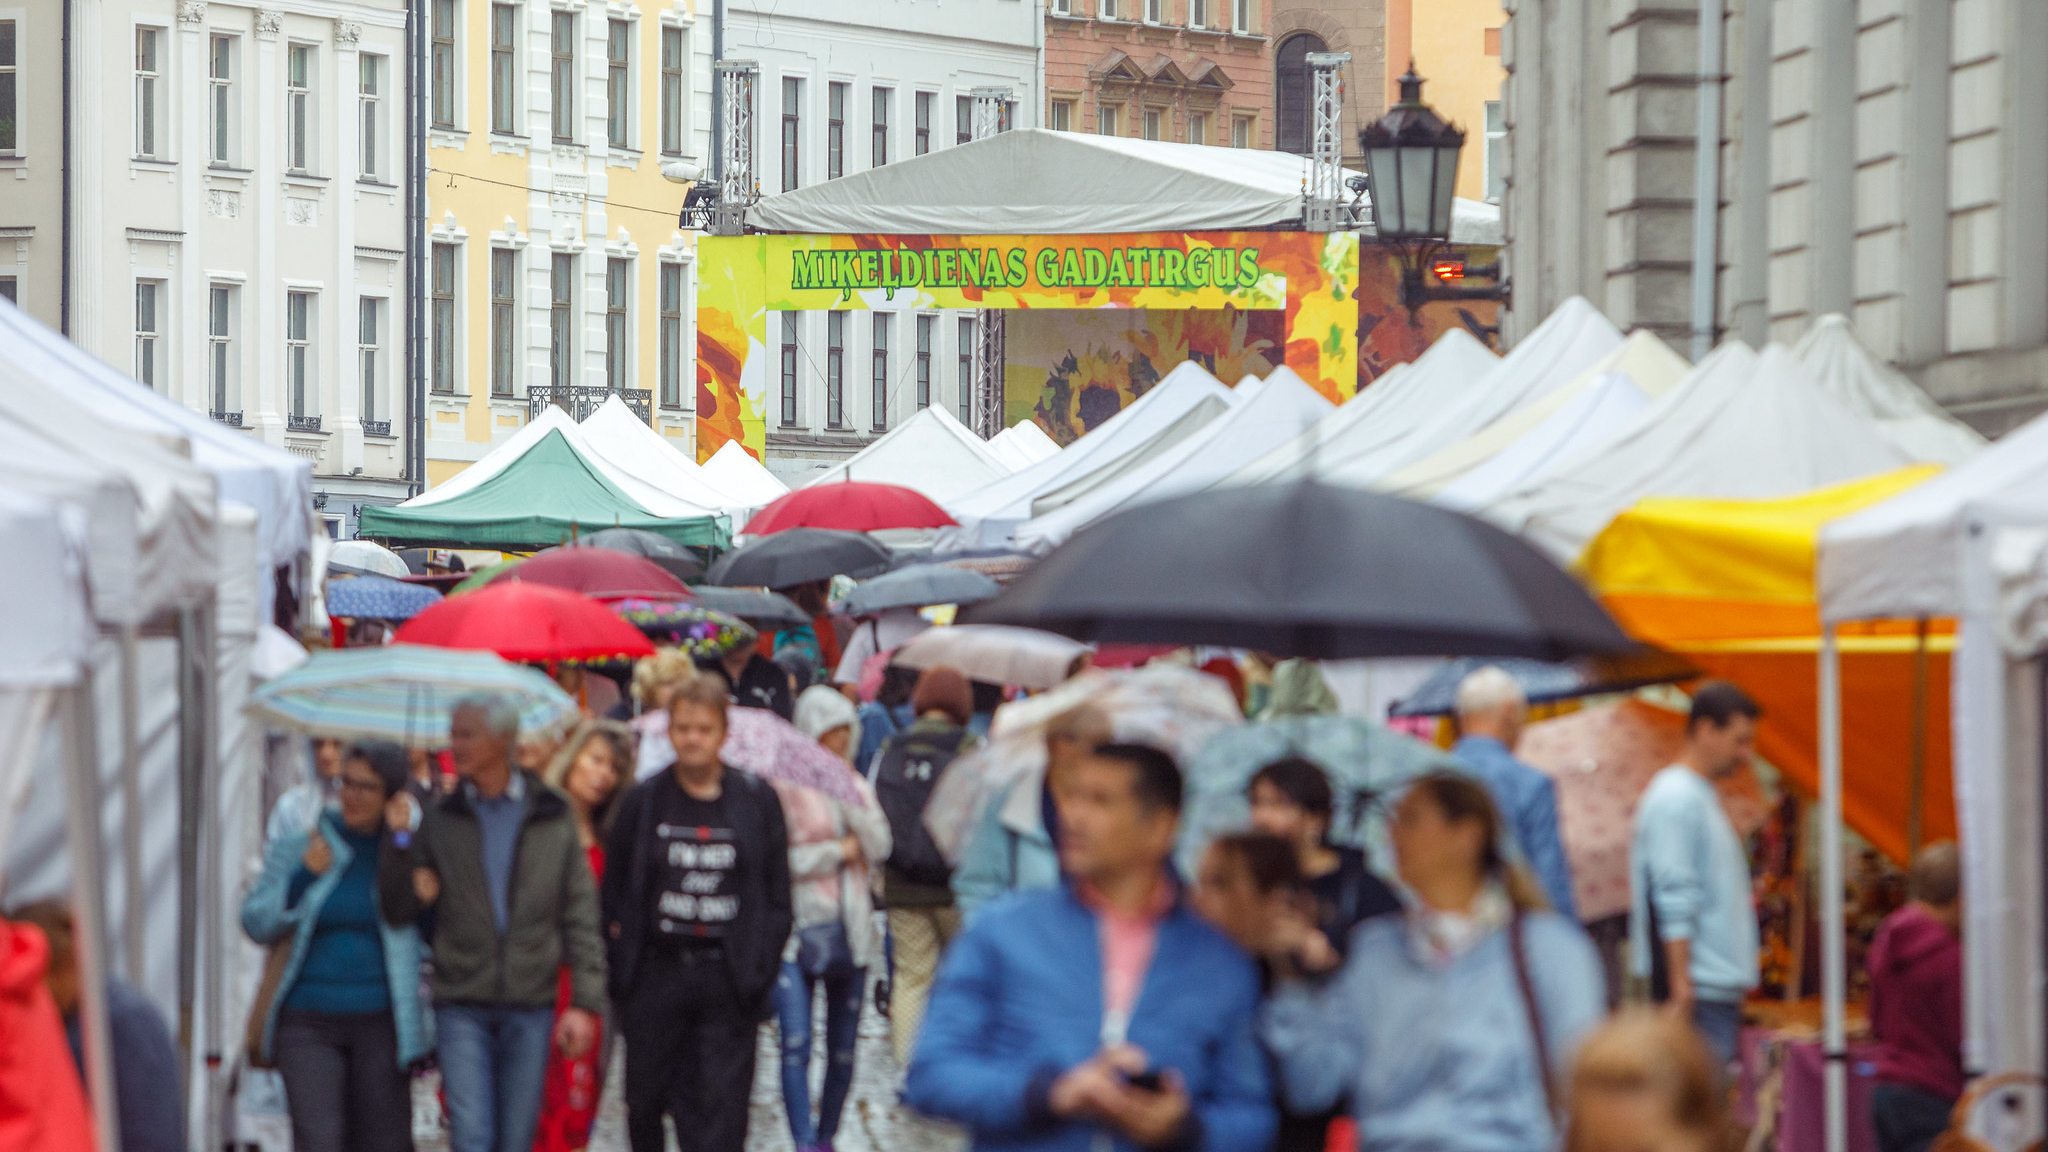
1029	179
615	436
1609	404
1022	444
1904	414
1279	411
1564	347
1407	396
990	515
731	470
1195	421
1646	361
931	452
1740	426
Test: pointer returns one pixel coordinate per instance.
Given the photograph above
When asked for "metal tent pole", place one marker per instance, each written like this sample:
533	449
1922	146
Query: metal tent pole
89	907
1832	958
132	919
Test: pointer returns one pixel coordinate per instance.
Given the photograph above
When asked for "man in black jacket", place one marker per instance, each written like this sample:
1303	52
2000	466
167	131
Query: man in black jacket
696	912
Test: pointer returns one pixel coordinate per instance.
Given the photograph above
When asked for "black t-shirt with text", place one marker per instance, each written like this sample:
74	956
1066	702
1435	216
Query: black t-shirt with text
695	890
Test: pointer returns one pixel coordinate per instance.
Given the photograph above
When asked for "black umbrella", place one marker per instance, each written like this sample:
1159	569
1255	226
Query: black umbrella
681	561
1542	683
754	605
799	556
1305	569
918	586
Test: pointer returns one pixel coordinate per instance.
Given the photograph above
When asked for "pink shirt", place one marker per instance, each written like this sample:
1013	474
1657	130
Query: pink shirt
1128	942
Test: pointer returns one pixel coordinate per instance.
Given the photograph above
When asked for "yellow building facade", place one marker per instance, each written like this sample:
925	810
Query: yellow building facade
556	270
1455	46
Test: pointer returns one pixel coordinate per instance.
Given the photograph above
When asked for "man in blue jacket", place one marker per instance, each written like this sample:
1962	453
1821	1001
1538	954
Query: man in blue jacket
1491	711
1102	1013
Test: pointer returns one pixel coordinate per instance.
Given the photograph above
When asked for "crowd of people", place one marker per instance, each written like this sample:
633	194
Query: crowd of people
623	890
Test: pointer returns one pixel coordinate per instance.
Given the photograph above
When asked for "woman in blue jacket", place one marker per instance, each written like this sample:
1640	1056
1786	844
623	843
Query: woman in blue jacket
1449	1026
346	1022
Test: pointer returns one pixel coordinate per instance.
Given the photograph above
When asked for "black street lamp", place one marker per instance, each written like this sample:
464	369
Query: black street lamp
1411	164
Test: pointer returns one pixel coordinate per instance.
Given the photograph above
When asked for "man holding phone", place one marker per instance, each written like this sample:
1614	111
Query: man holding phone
1104	1013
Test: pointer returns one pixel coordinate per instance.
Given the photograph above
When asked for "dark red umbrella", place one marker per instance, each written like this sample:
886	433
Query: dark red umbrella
599	573
850	506
527	623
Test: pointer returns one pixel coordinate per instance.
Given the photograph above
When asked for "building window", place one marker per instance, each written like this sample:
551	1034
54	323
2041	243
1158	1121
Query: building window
616	341
1062	118
1063	7
1496	152
835	131
1153	120
220	100
562	76
963	119
927	327
561	319
1198	13
1241	16
672	57
835	369
369	350
789	353
371	96
671	306
149	108
298	95
441	372
1294	93
618	90
792	129
148	330
10	127
504	318
504	82
220	348
1106	9
1155	11
1198	127
1241	132
881	374
1106	119
923	123
966	396
880	122
442	66
300	383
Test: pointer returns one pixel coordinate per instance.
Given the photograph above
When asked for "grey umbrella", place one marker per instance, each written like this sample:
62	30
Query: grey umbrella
679	560
799	556
918	586
754	605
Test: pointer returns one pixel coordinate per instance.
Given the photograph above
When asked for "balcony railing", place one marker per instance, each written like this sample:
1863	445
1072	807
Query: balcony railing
231	419
376	427
580	401
302	423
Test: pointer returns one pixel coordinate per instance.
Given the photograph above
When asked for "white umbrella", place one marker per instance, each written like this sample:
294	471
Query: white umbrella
364	558
995	654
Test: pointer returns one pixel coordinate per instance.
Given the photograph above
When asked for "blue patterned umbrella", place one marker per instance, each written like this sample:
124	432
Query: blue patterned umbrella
403	692
378	598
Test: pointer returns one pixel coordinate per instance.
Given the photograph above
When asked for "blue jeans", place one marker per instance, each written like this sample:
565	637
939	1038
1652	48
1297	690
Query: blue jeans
1719	1023
494	1063
845	987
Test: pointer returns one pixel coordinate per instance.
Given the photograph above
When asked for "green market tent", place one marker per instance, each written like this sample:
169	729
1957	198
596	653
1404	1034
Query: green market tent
543	498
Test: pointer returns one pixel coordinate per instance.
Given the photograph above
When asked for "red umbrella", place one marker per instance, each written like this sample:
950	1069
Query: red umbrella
528	623
851	506
599	573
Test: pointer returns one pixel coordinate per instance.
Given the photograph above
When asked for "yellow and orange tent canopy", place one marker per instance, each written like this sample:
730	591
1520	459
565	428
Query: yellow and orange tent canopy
1730	584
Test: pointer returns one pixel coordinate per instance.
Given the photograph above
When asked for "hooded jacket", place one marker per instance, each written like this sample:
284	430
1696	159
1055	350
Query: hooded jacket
42	1103
1916	1003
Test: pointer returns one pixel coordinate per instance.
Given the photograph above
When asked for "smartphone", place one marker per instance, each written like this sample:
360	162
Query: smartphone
1147	1081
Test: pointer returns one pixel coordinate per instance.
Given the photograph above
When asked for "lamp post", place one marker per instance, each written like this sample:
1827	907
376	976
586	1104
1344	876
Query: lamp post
1411	165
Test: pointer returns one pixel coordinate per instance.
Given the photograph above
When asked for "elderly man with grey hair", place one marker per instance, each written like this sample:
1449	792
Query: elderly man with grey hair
499	864
1491	710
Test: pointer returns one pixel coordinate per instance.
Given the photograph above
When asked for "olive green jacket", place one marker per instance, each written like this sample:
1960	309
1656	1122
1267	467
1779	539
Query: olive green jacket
552	904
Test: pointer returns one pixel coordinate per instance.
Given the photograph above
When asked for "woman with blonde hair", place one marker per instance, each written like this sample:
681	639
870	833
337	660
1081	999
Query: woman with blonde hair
591	768
1644	1082
1446	1026
654	685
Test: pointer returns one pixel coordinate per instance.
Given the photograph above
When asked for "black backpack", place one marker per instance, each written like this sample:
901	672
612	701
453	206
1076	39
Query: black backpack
906	771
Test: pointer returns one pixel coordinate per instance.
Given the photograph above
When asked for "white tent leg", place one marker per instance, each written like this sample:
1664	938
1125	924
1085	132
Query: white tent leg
1832	958
133	901
89	907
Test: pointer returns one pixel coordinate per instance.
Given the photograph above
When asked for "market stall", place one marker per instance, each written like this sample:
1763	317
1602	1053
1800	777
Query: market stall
931	452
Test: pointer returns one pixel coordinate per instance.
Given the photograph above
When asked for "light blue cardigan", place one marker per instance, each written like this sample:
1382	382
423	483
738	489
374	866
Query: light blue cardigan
266	919
1437	1059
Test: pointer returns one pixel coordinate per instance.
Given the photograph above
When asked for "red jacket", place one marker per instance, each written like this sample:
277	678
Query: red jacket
1916	1003
42	1104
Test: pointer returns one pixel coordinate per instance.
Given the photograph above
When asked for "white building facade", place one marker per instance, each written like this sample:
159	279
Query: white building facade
844	86
1885	159
234	234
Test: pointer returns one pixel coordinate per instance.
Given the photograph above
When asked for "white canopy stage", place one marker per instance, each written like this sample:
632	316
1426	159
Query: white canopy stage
989	516
1407	396
1867	385
1028	180
1282	408
1022	444
615	436
744	478
1647	362
1739	426
931	452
